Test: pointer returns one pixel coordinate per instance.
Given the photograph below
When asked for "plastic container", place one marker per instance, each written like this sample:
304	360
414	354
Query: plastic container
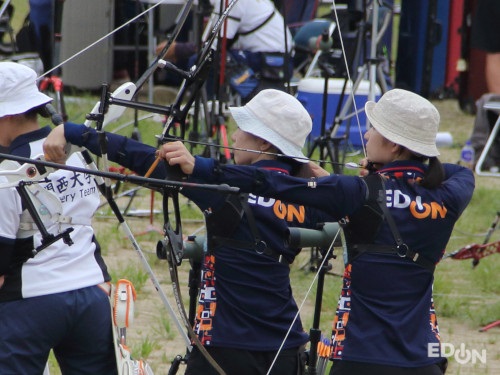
310	94
467	155
444	139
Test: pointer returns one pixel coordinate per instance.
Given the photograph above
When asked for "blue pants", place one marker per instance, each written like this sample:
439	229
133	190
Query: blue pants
75	324
42	22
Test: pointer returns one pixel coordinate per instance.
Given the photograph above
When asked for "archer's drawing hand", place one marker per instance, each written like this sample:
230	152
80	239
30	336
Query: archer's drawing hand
175	153
54	146
368	167
2	280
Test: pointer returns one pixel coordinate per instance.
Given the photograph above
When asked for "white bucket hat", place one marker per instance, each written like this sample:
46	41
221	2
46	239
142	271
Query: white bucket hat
18	89
278	118
407	119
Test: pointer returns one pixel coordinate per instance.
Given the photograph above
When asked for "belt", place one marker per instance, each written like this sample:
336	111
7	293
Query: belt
402	251
260	247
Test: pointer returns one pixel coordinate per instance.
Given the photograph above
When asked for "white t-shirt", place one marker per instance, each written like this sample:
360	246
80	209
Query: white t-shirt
59	267
246	15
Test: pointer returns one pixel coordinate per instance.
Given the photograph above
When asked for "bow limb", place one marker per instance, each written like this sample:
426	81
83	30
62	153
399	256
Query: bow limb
193	82
475	251
197	75
181	19
87	160
166	249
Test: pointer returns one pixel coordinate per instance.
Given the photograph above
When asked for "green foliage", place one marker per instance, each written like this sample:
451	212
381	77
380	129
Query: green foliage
144	348
134	273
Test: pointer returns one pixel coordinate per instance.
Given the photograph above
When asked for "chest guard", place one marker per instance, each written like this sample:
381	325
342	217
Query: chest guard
222	223
361	228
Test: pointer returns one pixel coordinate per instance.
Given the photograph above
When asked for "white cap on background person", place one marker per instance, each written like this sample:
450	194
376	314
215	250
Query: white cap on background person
18	89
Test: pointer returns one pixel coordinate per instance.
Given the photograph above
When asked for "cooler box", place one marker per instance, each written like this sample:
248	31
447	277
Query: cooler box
310	94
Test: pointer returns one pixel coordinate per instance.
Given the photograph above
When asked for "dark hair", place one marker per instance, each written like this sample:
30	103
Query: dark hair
296	166
31	114
434	175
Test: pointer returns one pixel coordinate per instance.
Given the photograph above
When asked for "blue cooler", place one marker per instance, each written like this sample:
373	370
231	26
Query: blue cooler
310	94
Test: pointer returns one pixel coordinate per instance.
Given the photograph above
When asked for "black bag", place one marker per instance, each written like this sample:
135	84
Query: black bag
273	66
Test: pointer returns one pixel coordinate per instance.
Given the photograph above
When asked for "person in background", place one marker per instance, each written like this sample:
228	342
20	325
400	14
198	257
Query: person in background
42	17
397	220
246	305
485	29
256	39
53	295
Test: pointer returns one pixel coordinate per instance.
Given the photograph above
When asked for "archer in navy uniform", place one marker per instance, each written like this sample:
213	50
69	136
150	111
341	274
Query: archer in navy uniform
246	304
59	298
397	220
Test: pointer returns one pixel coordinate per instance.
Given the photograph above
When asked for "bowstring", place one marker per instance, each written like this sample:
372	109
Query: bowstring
349	78
316	275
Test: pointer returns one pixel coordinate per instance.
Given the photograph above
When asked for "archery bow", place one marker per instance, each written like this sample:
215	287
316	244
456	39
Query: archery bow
173	249
476	251
172	245
98	114
194	80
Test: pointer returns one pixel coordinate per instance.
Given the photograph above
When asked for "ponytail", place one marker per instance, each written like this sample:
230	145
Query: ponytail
434	175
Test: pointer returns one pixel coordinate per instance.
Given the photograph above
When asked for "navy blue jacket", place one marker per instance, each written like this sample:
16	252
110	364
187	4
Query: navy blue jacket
385	313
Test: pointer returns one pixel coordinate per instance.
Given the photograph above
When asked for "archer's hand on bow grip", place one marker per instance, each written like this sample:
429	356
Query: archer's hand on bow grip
176	154
55	146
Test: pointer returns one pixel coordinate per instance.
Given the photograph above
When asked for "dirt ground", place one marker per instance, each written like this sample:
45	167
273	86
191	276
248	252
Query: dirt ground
153	328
